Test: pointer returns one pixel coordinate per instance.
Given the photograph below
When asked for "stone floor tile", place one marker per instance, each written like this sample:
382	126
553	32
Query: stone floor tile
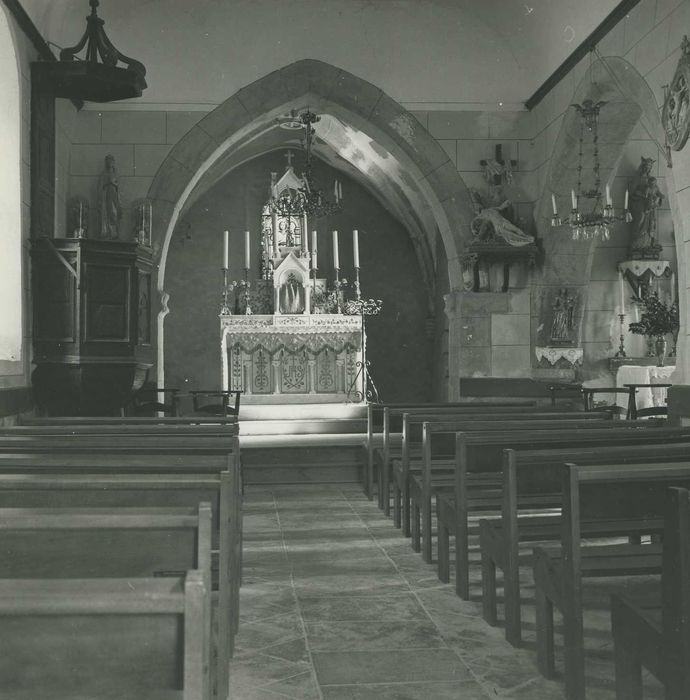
348	667
440	690
301	687
268	631
357	635
342	567
350	585
403	606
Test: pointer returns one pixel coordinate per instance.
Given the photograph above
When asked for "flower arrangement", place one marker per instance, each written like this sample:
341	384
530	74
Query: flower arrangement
658	319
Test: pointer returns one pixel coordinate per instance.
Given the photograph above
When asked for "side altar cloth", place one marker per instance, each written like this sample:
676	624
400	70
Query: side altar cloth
311	357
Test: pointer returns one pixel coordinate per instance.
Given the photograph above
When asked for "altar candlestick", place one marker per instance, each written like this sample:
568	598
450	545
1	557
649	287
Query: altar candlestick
274	227
621	287
226	250
355	247
553	204
247	252
573	199
336	260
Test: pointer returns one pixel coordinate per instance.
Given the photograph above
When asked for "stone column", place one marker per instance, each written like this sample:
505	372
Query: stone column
311	362
275	364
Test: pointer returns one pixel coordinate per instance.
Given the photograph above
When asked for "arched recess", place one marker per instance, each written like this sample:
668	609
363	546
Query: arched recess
10	202
366	132
630	101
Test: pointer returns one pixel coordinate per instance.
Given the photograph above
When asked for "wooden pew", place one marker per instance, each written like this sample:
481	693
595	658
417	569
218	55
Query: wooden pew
411	444
76	639
379	426
531	499
612	493
55	457
394	420
411	458
129	420
656	635
477	481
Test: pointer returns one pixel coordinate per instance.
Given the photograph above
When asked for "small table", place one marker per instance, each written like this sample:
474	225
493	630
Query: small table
650	386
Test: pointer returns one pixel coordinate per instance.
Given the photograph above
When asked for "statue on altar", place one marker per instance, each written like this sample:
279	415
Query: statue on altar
645	200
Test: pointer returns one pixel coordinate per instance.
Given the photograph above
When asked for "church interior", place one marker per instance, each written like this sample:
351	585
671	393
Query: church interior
344	351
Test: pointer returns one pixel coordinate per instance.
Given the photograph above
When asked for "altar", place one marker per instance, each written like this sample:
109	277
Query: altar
311	357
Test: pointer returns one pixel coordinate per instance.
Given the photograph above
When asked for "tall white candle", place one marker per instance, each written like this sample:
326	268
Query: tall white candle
625	206
608	196
305	246
150	220
355	247
573	199
621	287
336	260
314	251
673	287
274	228
247	251
80	215
553	204
226	250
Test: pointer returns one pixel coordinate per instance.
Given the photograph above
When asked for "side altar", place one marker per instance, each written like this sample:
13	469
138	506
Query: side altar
314	357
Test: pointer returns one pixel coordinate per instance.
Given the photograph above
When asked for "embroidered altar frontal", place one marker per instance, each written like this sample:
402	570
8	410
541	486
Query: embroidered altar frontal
312	356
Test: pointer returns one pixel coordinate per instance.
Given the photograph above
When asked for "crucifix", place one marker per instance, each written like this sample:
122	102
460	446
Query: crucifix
288	158
498	171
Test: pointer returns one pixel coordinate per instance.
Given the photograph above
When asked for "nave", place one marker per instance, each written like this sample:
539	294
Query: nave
336	605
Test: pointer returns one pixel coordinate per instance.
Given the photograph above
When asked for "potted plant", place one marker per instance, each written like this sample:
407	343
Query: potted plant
657	321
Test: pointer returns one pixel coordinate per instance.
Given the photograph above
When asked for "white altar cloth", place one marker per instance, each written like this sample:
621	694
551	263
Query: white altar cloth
293	356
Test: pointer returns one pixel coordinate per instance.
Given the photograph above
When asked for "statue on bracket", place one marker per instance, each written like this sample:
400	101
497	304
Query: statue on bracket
492	224
645	200
109	200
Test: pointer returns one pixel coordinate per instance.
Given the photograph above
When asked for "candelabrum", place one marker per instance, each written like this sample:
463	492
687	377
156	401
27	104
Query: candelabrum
621	345
337	290
225	309
358	293
247	307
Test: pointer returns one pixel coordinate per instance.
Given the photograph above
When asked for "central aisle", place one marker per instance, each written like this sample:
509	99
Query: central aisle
335	605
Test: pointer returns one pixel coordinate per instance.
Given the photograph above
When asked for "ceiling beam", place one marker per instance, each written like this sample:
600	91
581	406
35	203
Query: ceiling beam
611	20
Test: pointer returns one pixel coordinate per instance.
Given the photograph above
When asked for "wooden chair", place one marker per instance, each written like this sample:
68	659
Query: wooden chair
588	395
146	402
216	408
634	412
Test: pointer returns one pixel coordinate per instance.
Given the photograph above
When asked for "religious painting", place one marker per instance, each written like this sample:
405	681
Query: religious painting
559	312
675	114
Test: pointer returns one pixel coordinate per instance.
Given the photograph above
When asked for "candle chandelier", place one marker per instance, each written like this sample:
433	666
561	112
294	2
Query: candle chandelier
597	222
309	198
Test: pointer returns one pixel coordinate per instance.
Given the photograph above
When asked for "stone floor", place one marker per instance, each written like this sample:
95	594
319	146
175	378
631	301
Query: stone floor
336	606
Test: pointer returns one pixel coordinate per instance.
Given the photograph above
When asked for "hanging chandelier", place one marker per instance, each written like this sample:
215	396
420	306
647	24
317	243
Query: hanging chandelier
596	221
308	199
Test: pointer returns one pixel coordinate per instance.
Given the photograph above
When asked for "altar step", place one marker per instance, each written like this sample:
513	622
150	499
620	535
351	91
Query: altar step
302	443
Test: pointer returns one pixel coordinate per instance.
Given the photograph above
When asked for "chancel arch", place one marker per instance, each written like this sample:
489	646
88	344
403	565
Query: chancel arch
366	134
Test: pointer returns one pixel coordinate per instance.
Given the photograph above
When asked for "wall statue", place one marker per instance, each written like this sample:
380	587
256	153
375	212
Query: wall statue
645	200
109	200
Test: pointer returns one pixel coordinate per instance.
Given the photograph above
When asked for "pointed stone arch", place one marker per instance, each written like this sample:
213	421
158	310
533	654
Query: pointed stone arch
437	198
